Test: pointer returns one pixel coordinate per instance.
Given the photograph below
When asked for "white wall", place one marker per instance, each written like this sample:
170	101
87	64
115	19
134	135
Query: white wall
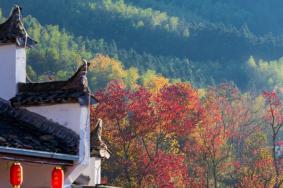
35	175
68	115
77	118
12	69
94	171
84	161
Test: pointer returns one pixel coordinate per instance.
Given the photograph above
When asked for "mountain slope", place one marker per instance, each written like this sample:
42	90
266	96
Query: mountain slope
193	41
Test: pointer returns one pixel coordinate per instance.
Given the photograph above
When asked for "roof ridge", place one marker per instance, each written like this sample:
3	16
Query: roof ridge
74	89
76	82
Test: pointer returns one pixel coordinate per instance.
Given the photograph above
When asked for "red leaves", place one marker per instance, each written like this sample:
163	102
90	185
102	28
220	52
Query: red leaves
141	112
112	101
179	108
174	139
271	98
167	170
274	108
131	120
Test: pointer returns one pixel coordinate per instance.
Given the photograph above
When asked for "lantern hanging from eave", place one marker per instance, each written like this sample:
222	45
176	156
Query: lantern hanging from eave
16	175
57	179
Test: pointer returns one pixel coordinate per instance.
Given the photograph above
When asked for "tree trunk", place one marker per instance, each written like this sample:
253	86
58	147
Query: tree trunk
214	176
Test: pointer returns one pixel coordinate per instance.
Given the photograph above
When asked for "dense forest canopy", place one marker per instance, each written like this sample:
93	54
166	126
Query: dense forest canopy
262	17
204	42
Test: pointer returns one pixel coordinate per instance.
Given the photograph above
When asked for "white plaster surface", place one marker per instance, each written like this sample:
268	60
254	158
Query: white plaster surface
84	161
77	118
93	171
12	69
68	115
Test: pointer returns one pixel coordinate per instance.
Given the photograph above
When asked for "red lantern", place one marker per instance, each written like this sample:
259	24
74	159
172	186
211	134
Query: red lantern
57	180
16	175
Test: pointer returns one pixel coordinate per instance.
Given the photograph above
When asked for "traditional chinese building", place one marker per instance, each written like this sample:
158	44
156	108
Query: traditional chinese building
44	125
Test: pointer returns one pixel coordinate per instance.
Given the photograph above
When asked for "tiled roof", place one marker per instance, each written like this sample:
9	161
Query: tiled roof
74	89
20	128
13	31
32	99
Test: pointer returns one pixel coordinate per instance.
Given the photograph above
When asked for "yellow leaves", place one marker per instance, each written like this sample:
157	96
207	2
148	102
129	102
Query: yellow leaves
105	69
132	75
173	145
108	65
258	103
265	153
202	92
153	82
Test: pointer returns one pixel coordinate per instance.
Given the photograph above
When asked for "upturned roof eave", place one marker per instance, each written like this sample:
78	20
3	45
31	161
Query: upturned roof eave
12	31
73	90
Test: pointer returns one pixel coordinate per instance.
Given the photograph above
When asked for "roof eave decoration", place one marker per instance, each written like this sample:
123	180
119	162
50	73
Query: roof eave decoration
78	82
98	148
12	31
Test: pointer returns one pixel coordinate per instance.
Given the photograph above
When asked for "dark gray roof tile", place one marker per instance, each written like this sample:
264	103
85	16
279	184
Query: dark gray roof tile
20	128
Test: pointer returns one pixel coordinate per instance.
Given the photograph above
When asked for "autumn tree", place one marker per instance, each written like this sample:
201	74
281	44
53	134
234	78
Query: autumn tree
143	130
274	119
129	117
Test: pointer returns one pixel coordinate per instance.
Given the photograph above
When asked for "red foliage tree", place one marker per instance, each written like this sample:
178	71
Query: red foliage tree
179	108
274	118
165	170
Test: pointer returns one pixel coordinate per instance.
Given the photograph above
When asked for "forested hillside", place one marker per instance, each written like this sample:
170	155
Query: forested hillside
202	42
